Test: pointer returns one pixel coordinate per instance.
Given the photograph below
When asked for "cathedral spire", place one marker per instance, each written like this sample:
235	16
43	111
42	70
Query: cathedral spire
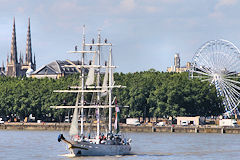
21	58
13	57
7	58
3	68
34	59
28	45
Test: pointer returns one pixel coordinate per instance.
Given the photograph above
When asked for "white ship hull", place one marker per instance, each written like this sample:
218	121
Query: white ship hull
98	149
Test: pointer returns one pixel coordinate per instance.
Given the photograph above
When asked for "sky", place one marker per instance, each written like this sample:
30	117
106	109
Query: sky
145	33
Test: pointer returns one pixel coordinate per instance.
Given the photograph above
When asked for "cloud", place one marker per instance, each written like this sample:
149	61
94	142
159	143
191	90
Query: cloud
151	9
67	7
170	1
216	15
128	5
40	9
218	8
20	9
222	3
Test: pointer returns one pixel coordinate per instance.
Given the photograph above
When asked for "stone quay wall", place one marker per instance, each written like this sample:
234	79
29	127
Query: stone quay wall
123	128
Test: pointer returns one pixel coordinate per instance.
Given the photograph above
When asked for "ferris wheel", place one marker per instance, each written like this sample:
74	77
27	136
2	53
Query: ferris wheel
218	61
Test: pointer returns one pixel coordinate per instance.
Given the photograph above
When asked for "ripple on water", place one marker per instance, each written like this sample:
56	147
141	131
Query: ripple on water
40	145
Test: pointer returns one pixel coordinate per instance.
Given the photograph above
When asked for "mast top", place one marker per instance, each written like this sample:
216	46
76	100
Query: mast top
84	34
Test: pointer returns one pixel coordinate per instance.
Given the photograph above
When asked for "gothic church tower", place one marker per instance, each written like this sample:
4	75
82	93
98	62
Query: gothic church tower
13	67
29	62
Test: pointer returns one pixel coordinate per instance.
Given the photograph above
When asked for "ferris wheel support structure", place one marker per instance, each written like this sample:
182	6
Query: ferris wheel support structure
218	61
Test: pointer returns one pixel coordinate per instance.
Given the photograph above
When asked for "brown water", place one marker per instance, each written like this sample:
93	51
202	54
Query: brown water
43	145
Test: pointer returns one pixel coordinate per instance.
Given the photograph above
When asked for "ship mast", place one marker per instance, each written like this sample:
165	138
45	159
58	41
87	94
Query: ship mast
110	90
98	83
82	71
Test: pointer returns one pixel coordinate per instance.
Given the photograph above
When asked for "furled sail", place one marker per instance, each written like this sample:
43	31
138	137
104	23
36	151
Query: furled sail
74	125
111	69
90	78
104	86
112	76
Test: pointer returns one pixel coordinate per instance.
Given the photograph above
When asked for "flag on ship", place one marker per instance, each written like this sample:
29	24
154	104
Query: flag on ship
117	117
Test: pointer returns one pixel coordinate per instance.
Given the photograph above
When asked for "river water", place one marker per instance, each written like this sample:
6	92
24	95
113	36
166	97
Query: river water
43	145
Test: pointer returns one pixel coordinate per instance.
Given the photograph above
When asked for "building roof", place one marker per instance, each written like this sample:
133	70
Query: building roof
57	67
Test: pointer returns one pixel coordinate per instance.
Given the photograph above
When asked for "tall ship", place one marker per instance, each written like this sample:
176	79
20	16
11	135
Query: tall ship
82	143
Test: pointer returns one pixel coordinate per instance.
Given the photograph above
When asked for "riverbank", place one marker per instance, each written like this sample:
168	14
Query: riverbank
123	128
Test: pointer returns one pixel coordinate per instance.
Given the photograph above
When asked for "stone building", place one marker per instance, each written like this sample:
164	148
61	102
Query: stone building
177	67
18	67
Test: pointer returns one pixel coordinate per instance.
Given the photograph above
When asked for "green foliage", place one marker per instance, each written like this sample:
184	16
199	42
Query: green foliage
149	93
25	96
157	94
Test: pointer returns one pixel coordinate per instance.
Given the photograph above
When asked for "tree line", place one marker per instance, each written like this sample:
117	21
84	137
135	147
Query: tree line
160	94
148	94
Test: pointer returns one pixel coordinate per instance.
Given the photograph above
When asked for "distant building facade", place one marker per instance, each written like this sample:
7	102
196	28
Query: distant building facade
18	67
56	69
188	120
177	67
